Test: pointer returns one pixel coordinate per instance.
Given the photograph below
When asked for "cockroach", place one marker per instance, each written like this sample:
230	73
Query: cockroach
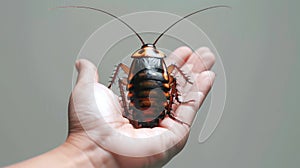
151	87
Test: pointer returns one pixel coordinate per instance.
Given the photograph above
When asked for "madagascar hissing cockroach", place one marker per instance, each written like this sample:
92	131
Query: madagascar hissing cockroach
150	84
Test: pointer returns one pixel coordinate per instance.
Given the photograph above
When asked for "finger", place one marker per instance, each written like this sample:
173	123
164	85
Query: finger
179	56
205	81
87	72
186	112
201	60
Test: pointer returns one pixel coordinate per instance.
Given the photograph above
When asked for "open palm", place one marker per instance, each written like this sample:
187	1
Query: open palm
95	114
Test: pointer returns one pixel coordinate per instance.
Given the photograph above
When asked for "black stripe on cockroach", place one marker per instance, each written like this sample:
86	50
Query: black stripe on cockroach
151	88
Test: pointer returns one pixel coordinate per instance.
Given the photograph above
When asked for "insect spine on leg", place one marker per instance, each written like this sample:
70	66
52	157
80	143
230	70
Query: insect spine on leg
112	76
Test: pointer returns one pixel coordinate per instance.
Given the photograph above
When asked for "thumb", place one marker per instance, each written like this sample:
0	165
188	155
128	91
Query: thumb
87	72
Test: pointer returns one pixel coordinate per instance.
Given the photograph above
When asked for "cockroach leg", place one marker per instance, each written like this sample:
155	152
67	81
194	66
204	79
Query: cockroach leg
171	69
116	72
174	95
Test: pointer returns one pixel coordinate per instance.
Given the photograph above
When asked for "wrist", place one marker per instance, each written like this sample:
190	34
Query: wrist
73	156
84	152
77	151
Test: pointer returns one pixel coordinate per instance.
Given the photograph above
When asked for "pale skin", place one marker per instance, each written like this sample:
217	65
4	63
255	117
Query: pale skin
87	133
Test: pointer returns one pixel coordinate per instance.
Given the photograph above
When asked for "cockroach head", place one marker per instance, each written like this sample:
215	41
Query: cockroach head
148	50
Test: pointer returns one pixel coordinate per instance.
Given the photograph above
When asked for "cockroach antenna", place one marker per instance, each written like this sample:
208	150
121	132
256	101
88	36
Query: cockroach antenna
198	11
99	10
140	38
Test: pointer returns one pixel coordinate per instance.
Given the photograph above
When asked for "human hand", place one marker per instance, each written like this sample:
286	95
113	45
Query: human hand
97	128
100	137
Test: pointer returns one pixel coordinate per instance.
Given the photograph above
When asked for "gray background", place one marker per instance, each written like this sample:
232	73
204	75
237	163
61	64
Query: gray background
259	45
